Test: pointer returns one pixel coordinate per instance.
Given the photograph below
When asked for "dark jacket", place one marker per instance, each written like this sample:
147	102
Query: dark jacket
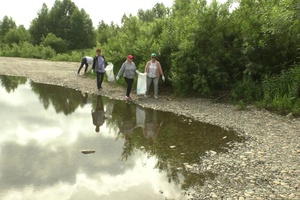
96	61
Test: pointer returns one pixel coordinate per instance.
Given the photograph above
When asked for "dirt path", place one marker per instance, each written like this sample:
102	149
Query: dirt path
266	166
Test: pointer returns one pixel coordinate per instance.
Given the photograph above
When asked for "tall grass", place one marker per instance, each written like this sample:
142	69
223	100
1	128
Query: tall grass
280	93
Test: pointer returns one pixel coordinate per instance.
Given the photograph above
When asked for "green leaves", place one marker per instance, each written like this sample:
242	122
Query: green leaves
65	21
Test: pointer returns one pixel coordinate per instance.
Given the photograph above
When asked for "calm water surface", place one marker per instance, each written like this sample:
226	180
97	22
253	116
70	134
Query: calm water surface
139	153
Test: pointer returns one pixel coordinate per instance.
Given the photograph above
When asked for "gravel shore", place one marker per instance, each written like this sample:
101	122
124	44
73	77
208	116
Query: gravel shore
266	166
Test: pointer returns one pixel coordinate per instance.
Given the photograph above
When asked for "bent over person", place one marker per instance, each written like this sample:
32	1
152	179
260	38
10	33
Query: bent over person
86	60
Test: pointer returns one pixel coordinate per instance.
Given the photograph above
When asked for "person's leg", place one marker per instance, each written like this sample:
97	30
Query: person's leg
98	80
149	80
101	80
83	61
129	83
155	83
86	67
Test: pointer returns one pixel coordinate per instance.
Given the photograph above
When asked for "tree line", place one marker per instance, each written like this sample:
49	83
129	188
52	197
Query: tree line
248	54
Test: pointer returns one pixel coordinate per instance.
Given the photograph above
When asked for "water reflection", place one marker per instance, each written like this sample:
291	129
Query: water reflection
11	83
98	114
43	132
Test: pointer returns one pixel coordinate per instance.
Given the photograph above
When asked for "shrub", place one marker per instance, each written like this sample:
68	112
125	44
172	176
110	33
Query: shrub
57	43
27	50
246	90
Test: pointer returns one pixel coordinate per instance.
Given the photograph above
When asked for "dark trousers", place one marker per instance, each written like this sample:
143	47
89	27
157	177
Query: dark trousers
129	83
100	77
83	62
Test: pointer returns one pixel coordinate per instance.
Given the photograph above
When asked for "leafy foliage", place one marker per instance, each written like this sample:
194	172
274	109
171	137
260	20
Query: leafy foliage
250	50
17	35
5	25
65	21
56	43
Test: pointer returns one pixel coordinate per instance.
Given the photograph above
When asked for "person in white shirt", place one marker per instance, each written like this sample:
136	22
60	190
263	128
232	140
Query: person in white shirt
86	60
154	71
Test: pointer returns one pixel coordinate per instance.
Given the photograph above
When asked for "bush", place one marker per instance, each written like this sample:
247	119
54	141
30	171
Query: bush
75	55
247	90
27	50
56	43
282	92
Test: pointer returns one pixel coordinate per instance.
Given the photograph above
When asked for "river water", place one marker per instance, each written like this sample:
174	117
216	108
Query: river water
139	153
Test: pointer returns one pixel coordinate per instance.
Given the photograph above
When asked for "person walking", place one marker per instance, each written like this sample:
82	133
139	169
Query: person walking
128	70
86	60
99	64
153	70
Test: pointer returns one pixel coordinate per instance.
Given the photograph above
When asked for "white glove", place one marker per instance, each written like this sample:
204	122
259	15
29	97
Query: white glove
92	71
163	78
137	71
117	77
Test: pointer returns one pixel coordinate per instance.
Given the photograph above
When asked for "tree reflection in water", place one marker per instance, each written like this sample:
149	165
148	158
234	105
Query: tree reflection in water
153	132
10	83
143	130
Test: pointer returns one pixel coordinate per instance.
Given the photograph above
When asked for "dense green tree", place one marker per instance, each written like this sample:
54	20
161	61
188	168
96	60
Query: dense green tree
158	11
39	25
56	43
105	31
5	25
17	35
65	21
60	18
204	48
82	34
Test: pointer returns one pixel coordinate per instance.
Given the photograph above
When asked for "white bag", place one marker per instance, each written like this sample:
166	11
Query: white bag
141	84
140	116
110	72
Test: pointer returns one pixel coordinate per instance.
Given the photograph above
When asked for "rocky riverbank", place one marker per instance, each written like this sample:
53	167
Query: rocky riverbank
265	166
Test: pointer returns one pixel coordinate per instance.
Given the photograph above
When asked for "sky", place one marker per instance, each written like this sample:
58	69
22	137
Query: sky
23	12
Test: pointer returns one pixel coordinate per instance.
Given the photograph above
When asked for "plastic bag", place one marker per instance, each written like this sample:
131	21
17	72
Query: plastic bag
140	116
141	84
110	72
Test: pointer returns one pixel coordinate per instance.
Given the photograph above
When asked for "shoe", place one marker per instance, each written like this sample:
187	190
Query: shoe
145	95
130	99
155	97
77	74
126	98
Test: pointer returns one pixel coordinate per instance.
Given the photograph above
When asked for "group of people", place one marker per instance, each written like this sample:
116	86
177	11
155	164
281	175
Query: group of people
128	70
98	63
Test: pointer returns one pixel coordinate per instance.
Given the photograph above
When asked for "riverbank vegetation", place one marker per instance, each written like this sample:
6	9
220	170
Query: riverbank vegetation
245	51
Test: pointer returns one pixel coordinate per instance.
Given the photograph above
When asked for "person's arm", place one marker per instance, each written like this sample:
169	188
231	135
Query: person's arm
147	67
136	71
161	71
105	63
121	71
94	63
